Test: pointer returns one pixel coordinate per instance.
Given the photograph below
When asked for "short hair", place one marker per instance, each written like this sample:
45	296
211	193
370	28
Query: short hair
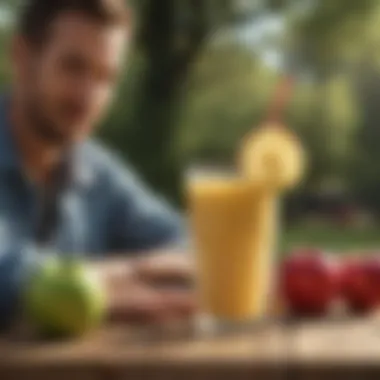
37	15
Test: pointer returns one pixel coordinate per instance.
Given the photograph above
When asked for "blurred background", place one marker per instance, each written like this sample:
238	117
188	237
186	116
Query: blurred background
204	72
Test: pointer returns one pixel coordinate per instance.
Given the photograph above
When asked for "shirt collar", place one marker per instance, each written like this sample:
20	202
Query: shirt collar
8	155
82	173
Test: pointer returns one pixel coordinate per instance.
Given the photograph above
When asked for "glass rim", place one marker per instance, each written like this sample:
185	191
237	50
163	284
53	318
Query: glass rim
211	171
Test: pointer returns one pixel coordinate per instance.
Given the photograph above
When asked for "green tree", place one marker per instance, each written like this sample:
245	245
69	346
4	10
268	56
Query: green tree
170	38
228	96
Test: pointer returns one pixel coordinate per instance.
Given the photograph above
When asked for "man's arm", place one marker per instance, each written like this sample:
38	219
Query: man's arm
147	264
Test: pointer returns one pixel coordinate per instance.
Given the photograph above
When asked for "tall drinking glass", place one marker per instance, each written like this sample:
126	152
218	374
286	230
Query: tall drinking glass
234	228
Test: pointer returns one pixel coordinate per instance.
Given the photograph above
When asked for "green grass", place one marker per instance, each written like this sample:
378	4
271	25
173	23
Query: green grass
339	239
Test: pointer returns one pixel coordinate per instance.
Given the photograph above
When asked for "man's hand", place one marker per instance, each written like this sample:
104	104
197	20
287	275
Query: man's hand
166	270
153	289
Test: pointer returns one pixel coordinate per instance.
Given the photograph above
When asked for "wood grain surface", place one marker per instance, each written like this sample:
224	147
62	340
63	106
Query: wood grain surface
332	349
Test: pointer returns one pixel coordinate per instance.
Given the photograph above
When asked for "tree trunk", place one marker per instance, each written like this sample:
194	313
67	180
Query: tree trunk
155	117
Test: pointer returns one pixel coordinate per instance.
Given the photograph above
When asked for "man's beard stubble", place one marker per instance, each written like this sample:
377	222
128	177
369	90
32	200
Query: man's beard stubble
43	128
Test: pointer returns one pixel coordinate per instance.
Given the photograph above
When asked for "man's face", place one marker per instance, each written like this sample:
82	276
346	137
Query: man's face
68	83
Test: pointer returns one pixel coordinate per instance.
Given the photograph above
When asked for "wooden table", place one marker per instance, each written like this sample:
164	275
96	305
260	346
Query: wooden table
334	349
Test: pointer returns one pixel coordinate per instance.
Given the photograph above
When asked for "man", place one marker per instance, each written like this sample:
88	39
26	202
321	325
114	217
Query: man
57	188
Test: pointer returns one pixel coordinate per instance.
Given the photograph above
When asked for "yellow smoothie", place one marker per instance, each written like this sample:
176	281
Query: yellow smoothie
234	221
234	228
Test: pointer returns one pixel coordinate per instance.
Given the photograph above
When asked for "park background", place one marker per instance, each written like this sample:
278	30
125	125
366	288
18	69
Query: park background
202	73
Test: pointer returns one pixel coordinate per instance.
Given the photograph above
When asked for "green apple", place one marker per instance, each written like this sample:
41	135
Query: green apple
64	299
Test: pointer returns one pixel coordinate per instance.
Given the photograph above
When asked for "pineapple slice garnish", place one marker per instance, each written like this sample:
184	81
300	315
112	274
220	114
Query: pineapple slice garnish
272	157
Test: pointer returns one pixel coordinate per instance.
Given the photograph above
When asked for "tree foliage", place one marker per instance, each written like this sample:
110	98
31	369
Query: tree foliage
188	93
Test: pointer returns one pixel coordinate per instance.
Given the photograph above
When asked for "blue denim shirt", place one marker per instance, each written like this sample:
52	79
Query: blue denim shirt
104	210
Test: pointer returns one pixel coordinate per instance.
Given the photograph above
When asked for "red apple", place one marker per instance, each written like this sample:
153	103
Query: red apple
309	282
360	284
